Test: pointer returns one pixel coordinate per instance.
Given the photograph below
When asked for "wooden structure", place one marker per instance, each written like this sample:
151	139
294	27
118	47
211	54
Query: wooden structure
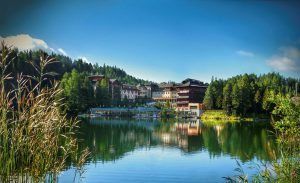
190	91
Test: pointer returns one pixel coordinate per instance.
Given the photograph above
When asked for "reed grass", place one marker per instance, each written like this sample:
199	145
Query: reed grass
35	138
286	167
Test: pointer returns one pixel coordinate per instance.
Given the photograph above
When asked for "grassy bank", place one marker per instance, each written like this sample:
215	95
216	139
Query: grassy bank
213	115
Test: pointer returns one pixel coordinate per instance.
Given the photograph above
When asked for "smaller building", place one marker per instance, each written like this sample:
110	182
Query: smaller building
129	92
143	92
115	89
166	93
192	110
151	88
196	108
157	95
95	79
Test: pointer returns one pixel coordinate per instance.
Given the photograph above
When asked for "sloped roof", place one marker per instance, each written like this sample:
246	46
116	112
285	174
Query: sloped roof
129	87
96	77
142	87
167	85
191	82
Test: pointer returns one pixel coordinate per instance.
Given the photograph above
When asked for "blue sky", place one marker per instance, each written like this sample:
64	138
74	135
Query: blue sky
164	40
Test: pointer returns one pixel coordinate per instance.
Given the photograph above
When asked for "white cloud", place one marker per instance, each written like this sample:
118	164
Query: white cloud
291	52
287	60
62	51
245	53
26	42
283	64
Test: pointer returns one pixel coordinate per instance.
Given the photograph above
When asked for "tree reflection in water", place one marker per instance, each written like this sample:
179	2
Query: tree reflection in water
110	140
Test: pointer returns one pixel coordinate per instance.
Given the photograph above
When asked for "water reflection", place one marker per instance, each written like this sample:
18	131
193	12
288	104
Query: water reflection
110	140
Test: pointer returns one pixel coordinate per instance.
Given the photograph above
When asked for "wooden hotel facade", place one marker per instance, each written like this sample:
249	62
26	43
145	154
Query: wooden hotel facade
190	91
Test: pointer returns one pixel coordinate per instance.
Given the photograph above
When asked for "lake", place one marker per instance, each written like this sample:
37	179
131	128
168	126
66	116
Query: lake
188	151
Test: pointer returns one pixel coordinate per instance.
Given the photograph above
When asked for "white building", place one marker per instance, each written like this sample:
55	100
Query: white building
129	91
167	93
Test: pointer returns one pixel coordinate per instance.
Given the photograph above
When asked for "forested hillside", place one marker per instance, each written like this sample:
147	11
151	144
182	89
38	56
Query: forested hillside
247	93
77	91
65	64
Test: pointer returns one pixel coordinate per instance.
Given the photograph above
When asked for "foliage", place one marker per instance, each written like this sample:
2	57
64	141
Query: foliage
287	126
247	93
77	93
66	65
73	75
103	93
117	73
218	115
35	139
168	113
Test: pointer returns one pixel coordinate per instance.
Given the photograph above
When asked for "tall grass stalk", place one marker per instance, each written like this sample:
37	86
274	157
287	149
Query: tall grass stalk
35	138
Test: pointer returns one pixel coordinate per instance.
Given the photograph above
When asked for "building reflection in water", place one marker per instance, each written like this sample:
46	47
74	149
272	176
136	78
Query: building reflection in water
111	139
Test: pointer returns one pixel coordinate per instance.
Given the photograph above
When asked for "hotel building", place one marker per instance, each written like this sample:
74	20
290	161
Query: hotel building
190	91
166	93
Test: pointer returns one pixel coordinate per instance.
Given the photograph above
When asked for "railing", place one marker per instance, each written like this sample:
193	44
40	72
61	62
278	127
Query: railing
182	102
183	91
164	98
183	96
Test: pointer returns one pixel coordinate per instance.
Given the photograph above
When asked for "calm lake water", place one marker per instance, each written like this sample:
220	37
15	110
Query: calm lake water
153	151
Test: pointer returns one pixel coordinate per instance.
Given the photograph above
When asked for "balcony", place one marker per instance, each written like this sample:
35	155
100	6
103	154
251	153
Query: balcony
184	96
182	102
183	91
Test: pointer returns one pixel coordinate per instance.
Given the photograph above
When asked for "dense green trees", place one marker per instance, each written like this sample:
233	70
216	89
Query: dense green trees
65	64
213	95
247	93
103	95
77	92
117	73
